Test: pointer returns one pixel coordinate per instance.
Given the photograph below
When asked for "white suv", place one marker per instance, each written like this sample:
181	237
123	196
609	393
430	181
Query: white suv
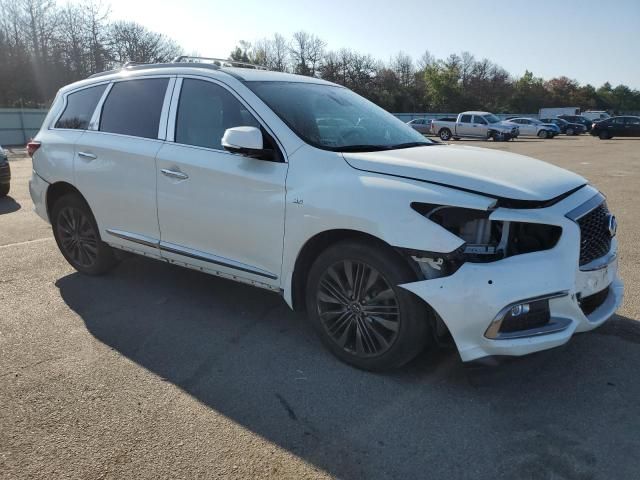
389	241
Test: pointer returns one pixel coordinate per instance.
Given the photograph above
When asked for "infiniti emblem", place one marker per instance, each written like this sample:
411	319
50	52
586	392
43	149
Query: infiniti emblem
612	225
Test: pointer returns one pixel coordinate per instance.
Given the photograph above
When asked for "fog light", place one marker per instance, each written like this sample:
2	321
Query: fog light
521	309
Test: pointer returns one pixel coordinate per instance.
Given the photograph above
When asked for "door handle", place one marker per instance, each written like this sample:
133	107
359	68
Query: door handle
174	174
87	156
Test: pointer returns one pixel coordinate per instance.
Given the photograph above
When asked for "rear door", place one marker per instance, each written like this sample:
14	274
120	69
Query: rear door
115	162
219	211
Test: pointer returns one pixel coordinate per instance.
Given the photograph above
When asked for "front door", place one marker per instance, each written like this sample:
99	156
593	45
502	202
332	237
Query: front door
219	211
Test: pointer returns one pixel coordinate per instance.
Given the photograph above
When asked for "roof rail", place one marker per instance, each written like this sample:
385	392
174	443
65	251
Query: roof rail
221	62
133	66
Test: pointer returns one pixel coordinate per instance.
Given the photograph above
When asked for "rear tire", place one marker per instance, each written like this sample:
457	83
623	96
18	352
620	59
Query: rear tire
444	134
543	134
78	237
4	190
570	131
358	310
604	135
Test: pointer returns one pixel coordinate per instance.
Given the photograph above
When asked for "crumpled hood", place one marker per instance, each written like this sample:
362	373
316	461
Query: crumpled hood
483	170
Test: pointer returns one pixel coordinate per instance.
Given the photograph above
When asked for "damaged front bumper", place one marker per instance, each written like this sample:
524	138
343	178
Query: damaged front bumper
473	301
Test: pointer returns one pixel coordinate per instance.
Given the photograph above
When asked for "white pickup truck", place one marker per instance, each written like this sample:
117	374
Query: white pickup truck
475	125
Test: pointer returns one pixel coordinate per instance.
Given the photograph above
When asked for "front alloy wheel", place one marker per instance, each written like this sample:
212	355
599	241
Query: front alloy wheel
358	308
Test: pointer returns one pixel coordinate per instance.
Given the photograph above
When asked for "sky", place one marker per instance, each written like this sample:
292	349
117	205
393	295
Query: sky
592	41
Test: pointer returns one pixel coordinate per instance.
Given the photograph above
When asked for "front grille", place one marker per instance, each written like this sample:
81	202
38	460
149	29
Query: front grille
592	302
595	239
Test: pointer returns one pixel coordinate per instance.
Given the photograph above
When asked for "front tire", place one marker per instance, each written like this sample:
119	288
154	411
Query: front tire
543	134
4	190
444	134
359	311
78	237
570	131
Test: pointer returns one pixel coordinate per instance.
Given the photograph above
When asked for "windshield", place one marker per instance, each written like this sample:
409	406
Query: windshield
491	118
335	118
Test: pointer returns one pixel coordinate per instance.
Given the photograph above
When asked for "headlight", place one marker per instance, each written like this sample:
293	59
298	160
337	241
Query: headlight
488	240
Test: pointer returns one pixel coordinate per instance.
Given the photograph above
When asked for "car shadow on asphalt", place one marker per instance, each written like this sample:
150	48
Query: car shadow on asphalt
8	205
242	352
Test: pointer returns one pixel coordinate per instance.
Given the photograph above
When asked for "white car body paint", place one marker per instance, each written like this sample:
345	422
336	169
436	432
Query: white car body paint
249	219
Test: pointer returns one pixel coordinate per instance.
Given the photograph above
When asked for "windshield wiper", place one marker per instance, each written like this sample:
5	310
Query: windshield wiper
411	145
361	148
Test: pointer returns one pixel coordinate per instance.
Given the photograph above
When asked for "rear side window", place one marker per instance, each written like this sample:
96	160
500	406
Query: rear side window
205	111
80	107
465	119
133	107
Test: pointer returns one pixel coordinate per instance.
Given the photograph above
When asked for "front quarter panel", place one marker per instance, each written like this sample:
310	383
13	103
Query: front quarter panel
324	193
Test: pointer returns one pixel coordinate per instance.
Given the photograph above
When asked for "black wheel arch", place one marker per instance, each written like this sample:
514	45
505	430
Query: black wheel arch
57	190
319	243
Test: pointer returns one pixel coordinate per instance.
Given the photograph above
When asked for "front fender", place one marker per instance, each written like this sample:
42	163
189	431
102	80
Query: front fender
324	193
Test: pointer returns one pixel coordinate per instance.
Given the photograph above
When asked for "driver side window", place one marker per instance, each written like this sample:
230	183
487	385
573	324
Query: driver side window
205	111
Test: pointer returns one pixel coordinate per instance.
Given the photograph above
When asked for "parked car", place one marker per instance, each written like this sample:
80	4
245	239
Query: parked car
567	128
5	174
386	238
595	115
578	119
532	127
421	125
473	125
617	127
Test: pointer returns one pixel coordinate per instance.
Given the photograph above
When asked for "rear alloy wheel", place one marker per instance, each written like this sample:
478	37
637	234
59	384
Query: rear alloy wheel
360	312
570	131
77	236
543	134
444	134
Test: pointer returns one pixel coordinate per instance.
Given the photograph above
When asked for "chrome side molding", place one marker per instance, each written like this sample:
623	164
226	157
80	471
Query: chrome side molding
190	253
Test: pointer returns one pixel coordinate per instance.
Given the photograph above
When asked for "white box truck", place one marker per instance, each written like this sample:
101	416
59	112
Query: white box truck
554	112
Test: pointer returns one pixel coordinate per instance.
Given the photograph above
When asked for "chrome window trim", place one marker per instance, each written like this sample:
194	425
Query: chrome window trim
555	323
174	115
95	118
173	110
164	113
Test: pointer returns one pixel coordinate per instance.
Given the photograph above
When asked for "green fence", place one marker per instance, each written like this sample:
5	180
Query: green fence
18	125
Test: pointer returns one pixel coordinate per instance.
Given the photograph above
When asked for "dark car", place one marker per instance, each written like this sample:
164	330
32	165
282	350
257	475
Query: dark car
617	127
578	119
422	125
566	127
5	174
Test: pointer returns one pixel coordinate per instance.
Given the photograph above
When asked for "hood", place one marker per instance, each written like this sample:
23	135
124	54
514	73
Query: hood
506	126
492	172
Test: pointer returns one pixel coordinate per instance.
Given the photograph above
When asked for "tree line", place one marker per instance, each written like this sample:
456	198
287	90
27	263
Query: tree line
427	84
45	45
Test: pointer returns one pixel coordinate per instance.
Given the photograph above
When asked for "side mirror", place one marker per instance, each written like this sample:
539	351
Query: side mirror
246	141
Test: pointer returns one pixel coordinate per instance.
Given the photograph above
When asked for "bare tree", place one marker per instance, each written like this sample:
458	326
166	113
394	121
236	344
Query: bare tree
132	42
306	53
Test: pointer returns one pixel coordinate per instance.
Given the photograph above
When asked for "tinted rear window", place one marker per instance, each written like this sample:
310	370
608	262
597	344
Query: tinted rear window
133	107
80	106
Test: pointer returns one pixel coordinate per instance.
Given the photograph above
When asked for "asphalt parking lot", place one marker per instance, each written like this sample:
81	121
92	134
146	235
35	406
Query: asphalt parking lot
159	372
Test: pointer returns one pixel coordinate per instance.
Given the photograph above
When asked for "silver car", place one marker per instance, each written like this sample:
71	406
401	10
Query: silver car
422	125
